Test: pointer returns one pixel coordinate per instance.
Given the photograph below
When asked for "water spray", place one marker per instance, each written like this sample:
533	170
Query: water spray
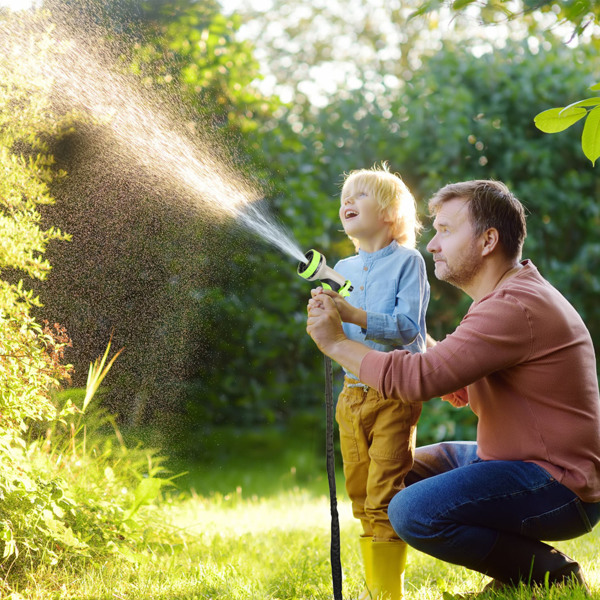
312	268
152	134
315	268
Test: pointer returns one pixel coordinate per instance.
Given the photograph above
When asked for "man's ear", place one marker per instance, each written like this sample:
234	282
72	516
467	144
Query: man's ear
491	239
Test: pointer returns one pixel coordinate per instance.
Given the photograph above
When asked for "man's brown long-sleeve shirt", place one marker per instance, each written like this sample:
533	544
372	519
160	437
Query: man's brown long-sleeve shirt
524	360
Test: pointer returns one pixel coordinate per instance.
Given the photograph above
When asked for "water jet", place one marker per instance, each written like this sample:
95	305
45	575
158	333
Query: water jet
80	69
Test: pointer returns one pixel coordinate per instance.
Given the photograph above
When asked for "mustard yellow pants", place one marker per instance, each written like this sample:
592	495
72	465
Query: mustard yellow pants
377	438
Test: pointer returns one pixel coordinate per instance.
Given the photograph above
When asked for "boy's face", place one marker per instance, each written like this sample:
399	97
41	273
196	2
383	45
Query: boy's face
359	212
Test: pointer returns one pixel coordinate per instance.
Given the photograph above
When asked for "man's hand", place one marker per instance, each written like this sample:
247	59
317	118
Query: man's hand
348	313
325	327
324	324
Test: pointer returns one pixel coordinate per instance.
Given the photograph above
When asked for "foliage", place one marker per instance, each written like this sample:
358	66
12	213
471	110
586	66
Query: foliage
579	15
559	119
583	16
67	494
78	496
71	495
30	354
193	50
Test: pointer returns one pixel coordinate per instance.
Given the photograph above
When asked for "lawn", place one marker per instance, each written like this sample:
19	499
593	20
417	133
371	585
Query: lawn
246	527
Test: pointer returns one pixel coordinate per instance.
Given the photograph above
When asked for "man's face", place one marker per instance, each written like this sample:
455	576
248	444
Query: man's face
456	251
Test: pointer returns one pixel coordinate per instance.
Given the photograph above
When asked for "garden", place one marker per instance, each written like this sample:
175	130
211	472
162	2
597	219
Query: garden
165	165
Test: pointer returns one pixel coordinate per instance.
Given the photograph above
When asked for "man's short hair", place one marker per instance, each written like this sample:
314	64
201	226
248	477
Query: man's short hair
490	204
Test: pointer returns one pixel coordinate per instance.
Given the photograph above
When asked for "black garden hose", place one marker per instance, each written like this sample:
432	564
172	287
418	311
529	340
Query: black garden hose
336	565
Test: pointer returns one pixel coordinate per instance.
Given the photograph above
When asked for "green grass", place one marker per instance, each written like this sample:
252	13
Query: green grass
263	462
275	548
257	526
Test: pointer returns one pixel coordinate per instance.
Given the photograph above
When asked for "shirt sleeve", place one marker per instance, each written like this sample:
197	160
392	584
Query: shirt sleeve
402	326
495	335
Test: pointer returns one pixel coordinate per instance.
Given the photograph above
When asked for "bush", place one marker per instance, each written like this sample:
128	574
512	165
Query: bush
69	493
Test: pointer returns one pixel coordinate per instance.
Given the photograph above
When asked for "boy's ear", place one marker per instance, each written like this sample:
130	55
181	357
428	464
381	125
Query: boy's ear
386	214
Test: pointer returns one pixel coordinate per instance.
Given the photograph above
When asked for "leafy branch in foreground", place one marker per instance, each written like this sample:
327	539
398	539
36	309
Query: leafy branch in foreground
558	119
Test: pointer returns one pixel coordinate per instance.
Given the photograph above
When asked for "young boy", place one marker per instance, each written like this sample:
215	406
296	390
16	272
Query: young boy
386	310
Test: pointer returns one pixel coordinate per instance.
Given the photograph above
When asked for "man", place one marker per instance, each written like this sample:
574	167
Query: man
523	360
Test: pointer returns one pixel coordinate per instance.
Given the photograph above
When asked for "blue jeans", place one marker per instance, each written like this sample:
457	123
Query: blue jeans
455	506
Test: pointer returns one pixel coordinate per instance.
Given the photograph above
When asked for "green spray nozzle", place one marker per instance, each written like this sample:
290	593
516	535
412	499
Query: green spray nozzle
315	268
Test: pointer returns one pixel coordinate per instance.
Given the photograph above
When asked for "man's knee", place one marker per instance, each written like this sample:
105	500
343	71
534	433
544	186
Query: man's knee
406	514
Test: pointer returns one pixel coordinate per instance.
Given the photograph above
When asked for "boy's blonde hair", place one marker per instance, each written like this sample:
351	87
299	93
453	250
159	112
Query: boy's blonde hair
396	203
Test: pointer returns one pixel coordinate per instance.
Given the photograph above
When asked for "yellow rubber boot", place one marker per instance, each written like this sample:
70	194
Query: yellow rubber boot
366	543
387	576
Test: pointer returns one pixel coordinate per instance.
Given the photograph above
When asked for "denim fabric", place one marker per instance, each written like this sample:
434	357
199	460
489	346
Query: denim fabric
455	505
391	286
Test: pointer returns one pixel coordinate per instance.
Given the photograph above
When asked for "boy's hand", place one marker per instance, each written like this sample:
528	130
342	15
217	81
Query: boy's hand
348	313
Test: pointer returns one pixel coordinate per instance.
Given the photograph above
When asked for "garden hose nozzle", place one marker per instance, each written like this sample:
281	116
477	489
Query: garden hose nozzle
315	268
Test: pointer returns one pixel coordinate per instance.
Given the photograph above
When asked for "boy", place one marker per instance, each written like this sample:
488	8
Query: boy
386	311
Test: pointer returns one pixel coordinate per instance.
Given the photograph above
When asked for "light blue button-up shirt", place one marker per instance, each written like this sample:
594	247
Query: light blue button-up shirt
391	286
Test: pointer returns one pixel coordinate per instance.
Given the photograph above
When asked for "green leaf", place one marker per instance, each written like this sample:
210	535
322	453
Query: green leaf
595	87
425	8
460	4
97	373
587	102
558	119
590	138
146	491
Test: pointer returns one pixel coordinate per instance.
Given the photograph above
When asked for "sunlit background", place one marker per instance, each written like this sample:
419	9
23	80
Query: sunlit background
192	150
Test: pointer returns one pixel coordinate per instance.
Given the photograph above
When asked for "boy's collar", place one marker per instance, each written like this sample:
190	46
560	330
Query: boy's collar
369	256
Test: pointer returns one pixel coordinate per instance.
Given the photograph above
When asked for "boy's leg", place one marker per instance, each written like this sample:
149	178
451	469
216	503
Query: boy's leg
354	449
354	445
392	428
471	514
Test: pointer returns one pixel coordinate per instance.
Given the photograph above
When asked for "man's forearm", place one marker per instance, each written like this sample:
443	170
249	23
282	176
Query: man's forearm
348	354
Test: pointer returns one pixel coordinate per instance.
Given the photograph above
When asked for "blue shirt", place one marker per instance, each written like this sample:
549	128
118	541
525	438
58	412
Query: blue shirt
391	286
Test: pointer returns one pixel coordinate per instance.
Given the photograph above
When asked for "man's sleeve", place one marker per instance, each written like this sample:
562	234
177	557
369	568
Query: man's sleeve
494	335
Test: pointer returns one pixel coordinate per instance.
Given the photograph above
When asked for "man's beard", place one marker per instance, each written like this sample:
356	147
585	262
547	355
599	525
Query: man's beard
465	269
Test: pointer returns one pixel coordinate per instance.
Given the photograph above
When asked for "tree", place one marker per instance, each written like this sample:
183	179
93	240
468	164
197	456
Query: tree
582	18
311	51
